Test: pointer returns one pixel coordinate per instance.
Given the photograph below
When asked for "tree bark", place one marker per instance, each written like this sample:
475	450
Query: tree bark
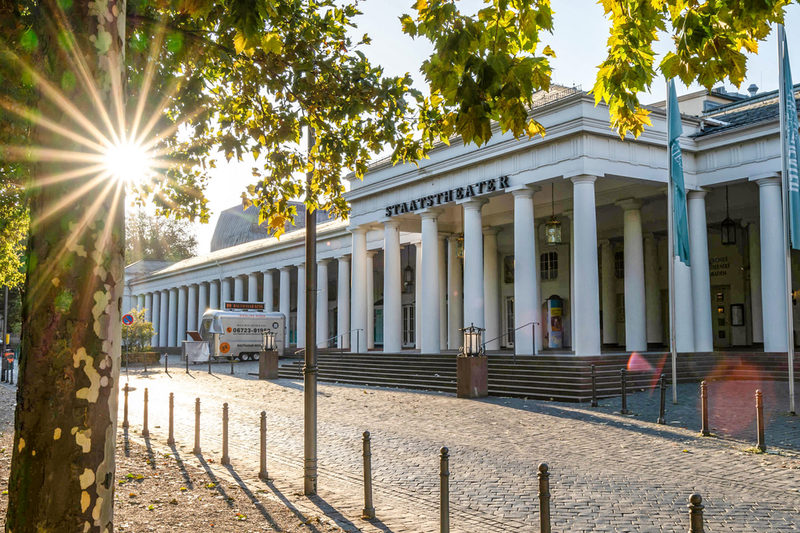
62	472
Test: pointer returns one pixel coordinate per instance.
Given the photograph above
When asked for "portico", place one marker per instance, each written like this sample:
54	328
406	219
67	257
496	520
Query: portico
461	240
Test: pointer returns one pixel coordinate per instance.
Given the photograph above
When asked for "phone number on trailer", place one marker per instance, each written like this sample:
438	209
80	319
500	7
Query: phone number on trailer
245	331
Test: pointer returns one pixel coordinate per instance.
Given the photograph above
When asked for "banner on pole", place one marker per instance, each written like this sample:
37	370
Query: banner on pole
680	218
792	148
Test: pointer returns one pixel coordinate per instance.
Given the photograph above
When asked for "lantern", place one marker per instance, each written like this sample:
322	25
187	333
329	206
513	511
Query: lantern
728	226
267	340
552	229
473	345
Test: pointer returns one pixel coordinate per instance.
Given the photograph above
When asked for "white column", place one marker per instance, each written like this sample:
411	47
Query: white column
269	290
358	301
491	289
148	306
202	302
633	251
773	266
652	291
191	309
172	332
701	280
285	300
182	315
586	299
455	304
343	302
213	294
754	250
392	289
429	343
442	256
252	287
418	295
140	301
156	319
225	291
322	303
526	288
609	293
370	294
301	306
473	264
684	307
163	334
238	288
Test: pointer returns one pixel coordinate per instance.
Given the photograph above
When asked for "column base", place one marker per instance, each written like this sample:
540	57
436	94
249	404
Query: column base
268	365
472	374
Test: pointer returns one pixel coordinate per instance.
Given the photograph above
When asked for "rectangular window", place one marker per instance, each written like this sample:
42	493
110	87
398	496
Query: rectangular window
619	265
408	325
548	266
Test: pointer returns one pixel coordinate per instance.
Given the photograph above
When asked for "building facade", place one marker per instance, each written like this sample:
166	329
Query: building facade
470	237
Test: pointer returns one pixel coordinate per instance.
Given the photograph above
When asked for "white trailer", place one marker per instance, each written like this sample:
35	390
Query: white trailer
239	333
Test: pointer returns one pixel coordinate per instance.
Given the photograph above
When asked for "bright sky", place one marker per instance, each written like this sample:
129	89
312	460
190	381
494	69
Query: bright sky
579	41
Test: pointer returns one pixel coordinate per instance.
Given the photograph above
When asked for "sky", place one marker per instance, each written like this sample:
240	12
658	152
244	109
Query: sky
579	40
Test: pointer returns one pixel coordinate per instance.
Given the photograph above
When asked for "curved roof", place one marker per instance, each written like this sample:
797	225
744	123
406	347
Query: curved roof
237	226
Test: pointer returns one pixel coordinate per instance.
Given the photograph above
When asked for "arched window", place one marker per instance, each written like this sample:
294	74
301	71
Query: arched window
548	266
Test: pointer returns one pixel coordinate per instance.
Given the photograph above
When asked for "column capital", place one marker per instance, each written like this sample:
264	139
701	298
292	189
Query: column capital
285	268
768	180
604	242
443	236
372	253
491	230
699	193
357	229
344	257
524	191
473	203
391	223
582	178
628	204
430	213
323	261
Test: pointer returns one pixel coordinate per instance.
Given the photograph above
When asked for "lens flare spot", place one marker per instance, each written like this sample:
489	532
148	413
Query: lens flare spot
128	162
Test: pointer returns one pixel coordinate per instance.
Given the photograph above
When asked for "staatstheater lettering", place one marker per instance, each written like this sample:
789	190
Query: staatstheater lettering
445	197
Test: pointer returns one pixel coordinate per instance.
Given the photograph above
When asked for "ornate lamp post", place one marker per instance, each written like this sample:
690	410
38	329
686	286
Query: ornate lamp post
268	358
728	226
472	368
552	229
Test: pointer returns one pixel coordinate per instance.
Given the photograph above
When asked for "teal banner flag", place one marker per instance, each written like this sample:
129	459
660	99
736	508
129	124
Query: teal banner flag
792	148
679	217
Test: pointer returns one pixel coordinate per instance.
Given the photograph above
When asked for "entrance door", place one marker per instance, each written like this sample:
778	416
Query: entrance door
508	316
408	326
720	315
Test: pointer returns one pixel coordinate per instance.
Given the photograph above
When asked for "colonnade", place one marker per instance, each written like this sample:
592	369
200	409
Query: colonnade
450	296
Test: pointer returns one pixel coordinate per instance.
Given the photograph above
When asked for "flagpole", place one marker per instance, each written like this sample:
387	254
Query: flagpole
671	254
782	100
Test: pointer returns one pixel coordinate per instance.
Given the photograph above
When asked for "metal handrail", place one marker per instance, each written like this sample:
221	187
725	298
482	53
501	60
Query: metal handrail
533	336
328	341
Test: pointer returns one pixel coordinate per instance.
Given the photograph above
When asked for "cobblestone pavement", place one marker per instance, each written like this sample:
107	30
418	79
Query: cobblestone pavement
608	472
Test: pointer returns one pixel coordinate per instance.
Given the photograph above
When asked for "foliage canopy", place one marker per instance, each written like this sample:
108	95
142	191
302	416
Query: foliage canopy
158	238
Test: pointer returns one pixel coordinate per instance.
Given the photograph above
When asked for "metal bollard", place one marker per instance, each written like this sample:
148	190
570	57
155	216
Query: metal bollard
196	450
11	369
145	431
623	379
125	409
187	363
209	363
171	437
444	491
662	384
231	366
369	510
225	460
594	387
166	363
762	445
704	409
262	473
544	498
695	513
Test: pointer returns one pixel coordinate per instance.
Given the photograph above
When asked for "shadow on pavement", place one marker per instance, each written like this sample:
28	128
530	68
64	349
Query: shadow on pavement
286	503
255	501
176	454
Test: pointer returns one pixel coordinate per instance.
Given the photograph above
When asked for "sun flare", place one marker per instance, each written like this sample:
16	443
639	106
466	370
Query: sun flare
128	162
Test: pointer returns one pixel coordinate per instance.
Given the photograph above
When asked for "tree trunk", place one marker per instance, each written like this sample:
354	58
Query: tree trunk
62	472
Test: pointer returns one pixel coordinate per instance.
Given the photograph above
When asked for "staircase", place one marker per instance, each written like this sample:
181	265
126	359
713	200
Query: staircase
544	377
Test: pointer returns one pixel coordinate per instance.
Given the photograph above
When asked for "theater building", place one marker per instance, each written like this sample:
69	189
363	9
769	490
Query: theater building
554	244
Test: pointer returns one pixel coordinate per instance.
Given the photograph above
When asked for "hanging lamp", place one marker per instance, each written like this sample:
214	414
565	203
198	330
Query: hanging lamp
728	226
552	229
